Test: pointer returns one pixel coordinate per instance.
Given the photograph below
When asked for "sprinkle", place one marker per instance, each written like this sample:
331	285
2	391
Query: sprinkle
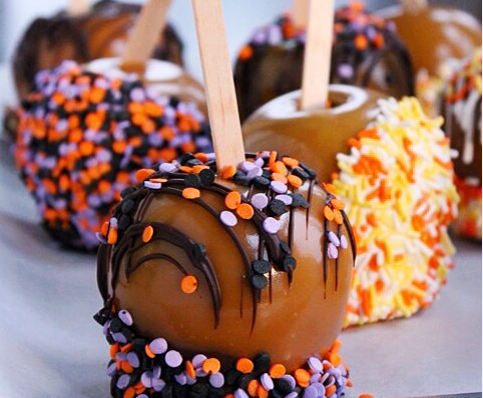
343	242
259	201
211	366
332	251
125	317
337	204
189	284
217	380
286	199
152	185
245	211
328	213
148	233
277	370
228	218
142	174
123	381
294	180
228	172
315	364
239	393
167	168
244	365
266	381
232	200
133	359
271	225
310	392
112	236
158	346
198	360
261	266
278	187
302	377
333	238
173	358
258	281
191	193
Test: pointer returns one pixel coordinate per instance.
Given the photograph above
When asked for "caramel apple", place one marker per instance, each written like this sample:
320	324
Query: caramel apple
366	52
462	113
83	133
391	165
436	36
225	274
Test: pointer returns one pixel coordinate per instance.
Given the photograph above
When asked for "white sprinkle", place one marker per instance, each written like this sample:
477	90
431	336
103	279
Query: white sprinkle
228	218
271	225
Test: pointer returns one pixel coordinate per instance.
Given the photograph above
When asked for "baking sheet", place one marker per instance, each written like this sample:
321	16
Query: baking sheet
51	348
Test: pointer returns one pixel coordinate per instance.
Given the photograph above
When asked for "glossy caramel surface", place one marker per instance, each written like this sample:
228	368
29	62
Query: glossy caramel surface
435	34
316	136
297	321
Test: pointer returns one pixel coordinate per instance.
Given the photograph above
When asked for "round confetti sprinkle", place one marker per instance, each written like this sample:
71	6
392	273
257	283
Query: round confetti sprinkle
228	218
147	234
278	187
266	381
343	242
123	381
125	317
232	200
286	199
315	364
158	346
333	238
332	251
189	284
259	201
198	360
167	167
271	225
173	358
191	193
310	392
217	380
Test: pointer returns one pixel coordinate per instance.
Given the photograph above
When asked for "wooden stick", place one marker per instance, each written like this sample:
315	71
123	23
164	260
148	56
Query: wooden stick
219	87
300	13
413	6
144	35
77	7
318	49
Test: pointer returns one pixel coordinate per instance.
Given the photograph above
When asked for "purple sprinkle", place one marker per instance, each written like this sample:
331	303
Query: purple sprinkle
121	356
123	381
181	378
173	359
333	238
267	382
152	185
315	364
310	392
286	199
147	379
293	394
111	369
199	372
198	360
158	384
343	241
158	346
167	167
125	317
259	201
217	380
345	71
157	372
259	162
228	218
332	251
105	328
271	225
137	94
133	359
315	378
278	187
256	171
320	389
119	337
239	393
291	380
113	222
142	396
246	166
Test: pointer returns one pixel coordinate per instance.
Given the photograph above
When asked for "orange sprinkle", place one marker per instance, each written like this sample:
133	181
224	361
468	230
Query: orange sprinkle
113	350
291	162
328	213
148	351
272	157
96	94
245	211
198	167
211	365
365	395
369	133
126	367
276	371
93	121
279	167
201	156
330	188
190	369
167	133
333	358
337	216
142	174
228	172
337	204
279	177
189	284
329	391
252	387
86	148
360	41
335	345
302	377
245	52
112	236
129	392
191	193
261	392
147	234
185	169
294	180
356	6
105	228
232	200
244	365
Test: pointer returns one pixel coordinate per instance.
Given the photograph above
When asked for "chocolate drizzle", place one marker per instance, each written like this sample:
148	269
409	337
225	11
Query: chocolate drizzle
272	251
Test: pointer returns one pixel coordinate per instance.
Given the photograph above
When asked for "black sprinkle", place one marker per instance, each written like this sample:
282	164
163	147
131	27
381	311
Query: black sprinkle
308	170
192	180
242	180
180	391
124	222
128	206
126	191
167	392
207	176
261	266
299	172
185	157
261	361
282	386
299	201
259	281
116	325
194	162
284	247
243	380
289	263
232	376
261	182
277	207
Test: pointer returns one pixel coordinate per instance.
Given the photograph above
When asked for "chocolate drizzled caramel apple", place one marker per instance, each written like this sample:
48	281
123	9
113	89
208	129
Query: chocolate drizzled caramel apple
462	113
99	32
436	37
228	273
366	52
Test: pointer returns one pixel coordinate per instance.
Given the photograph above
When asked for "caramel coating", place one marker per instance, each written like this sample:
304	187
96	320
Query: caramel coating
435	34
318	136
293	320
